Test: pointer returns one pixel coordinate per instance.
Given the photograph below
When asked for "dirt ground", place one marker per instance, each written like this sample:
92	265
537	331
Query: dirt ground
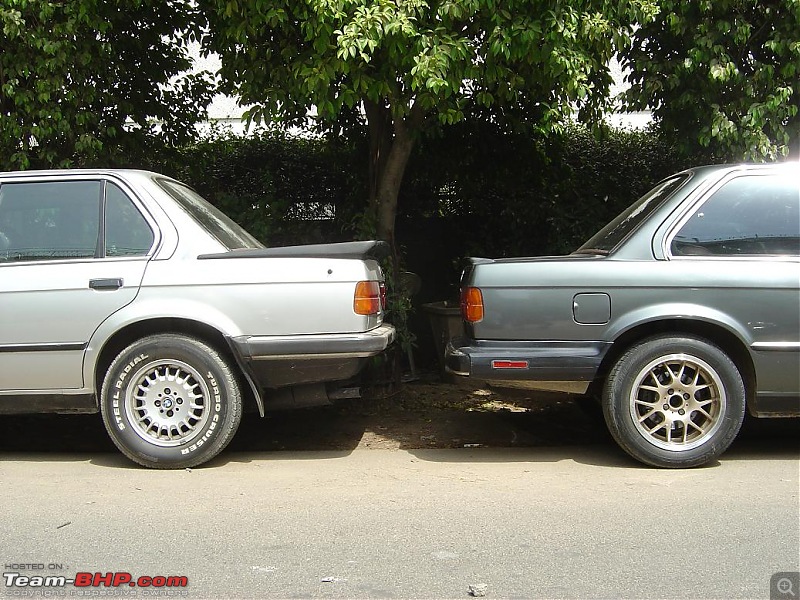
426	413
430	413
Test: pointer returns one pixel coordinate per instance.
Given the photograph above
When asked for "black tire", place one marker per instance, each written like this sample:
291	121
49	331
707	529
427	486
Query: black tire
674	401
170	401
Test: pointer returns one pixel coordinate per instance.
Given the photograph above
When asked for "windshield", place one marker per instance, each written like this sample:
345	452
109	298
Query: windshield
224	229
613	234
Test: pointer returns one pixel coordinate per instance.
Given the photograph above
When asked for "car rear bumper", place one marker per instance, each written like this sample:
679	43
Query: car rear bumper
279	361
558	365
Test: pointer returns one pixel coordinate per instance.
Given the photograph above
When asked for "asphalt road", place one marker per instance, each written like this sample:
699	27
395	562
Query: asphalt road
534	522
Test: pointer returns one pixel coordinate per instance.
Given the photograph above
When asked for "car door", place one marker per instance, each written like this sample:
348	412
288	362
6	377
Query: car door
72	252
741	245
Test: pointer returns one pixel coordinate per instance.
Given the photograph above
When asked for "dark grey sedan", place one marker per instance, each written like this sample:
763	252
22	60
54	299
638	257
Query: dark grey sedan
680	314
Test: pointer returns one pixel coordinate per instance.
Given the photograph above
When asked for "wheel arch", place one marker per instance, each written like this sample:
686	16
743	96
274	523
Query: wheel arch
715	333
125	336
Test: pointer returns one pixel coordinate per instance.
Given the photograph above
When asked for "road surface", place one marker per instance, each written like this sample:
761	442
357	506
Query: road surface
535	522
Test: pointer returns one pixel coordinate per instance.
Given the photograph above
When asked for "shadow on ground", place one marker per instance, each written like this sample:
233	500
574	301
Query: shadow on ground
422	415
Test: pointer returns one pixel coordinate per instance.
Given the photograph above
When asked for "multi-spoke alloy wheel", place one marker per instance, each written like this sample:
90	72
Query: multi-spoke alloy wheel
167	402
170	401
674	402
677	402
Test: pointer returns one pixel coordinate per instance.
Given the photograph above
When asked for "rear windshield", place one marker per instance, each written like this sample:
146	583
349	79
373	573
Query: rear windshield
613	234
224	229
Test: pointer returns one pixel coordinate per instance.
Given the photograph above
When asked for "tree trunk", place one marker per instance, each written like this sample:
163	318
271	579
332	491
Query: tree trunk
379	121
392	139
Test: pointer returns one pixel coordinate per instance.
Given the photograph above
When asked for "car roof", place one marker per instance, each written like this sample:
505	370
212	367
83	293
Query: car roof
61	172
713	169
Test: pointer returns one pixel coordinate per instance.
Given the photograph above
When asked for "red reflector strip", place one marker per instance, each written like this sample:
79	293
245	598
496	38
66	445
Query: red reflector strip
509	364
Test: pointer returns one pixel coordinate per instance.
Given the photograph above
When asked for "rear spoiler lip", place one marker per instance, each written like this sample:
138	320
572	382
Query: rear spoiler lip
371	249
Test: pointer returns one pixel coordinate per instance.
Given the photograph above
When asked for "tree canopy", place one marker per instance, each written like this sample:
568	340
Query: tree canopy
721	73
82	79
412	65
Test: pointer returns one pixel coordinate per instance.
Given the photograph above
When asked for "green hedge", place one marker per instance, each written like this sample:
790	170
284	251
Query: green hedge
518	195
478	191
473	191
279	187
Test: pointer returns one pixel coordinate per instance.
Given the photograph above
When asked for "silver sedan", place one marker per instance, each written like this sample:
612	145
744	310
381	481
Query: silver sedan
125	293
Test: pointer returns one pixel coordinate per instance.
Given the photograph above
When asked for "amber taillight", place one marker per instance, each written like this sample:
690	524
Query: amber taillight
367	298
471	304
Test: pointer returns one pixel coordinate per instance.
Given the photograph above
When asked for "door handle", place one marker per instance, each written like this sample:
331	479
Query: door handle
105	284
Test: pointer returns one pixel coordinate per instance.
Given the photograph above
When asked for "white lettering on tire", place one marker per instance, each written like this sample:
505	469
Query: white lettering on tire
118	385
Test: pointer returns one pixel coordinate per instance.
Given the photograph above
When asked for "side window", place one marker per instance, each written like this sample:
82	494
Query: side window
748	216
49	220
127	231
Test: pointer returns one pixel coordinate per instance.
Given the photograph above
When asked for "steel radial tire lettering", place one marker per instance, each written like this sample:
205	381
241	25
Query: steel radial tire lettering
674	401
170	401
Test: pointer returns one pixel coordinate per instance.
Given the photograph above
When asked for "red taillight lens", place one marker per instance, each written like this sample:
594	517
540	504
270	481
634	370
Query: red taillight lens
383	296
471	304
367	299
